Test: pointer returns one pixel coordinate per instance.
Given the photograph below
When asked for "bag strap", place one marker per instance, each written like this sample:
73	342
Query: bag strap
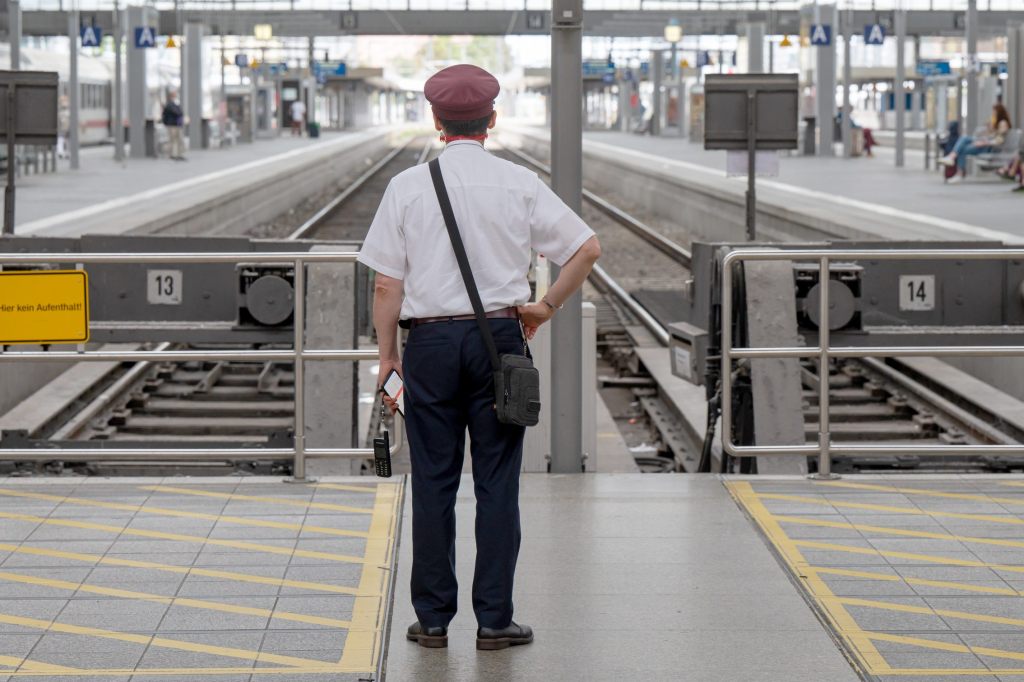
463	260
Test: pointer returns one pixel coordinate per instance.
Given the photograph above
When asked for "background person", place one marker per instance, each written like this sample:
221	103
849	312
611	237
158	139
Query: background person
503	212
298	114
968	146
173	119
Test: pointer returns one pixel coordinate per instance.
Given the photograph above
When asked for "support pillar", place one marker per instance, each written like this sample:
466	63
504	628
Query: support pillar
138	92
313	84
567	182
74	91
625	111
971	26
755	46
847	77
657	73
1015	73
14	32
899	93
193	86
117	105
826	85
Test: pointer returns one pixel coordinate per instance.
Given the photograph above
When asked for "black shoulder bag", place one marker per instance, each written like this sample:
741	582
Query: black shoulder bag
516	380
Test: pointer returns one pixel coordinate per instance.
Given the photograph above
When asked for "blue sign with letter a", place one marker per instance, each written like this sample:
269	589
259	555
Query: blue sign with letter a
821	35
91	36
874	34
145	37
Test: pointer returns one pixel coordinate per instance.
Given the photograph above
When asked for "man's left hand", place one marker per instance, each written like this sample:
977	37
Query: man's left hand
533	315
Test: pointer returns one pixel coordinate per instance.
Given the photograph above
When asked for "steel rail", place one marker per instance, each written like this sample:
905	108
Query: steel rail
356	185
647	233
612	287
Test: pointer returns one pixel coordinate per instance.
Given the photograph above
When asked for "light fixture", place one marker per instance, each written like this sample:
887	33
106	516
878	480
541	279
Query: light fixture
263	31
171	42
785	42
673	31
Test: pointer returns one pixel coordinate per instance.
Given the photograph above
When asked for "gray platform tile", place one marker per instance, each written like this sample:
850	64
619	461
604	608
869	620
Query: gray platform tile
981	529
869	588
1006	641
962	506
330	605
785	507
171	524
184	618
18	590
16	531
44	609
264	569
935	591
335	545
114	575
985	605
310	677
234	531
171	558
885	647
885	620
259	509
938	555
341	520
113	614
911	521
92	660
51	532
825	557
938	678
191	678
953	573
865	497
938	546
56	642
79	512
601	550
216	589
75	678
999	555
18	644
935	660
97	547
333	572
161	657
839	535
232	561
321	656
135	545
282	641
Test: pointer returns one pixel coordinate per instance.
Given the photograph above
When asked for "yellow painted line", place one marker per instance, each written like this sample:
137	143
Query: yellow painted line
1015	484
945	646
153	640
162	511
949	672
894	510
904	532
928	611
948	584
284	501
913	556
349	488
186	570
174	601
363	644
26	664
321	669
842	622
923	491
180	537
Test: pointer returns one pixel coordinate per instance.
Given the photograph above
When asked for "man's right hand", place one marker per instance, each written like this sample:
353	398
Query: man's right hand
385	369
533	315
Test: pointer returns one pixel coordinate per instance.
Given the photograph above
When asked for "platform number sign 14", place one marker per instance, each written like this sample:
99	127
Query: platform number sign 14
917	292
163	287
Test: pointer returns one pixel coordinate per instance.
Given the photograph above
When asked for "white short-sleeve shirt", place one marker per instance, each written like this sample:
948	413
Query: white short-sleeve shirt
504	212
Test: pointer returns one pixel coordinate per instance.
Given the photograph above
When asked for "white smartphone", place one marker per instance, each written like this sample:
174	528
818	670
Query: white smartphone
394	387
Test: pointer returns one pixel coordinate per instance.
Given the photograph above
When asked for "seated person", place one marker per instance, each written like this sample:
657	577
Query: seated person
869	139
968	146
948	142
1012	170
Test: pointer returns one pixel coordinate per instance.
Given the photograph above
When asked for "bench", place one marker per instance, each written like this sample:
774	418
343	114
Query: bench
999	158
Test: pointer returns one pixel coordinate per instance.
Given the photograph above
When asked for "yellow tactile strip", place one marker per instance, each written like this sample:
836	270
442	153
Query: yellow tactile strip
364	634
816	508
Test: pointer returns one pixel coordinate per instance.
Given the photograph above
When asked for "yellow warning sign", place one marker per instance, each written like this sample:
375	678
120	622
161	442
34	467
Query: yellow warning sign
44	306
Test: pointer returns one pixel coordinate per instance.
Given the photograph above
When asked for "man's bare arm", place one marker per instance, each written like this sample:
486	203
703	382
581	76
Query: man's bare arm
387	306
570	278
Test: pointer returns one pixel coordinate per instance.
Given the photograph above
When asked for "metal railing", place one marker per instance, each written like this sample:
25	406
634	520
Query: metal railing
824	351
297	355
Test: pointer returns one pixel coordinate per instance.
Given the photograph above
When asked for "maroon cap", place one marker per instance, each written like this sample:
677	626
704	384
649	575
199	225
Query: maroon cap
461	93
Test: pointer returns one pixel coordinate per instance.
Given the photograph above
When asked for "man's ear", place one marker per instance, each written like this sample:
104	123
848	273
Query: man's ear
437	123
494	118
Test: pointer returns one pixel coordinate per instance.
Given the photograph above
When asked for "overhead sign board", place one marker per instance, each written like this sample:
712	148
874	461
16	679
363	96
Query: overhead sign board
341	69
145	37
934	67
241	60
44	306
821	35
874	34
91	36
726	107
35	108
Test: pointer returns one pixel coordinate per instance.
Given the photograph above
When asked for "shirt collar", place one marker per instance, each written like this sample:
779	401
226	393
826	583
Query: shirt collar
463	143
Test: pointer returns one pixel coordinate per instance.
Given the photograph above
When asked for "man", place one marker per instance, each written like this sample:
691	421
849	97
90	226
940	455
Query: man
298	114
173	119
503	211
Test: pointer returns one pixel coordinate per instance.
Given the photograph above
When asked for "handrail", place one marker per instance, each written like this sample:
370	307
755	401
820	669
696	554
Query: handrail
298	355
824	351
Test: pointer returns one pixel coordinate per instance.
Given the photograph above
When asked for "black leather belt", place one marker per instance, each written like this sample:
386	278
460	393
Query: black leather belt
511	313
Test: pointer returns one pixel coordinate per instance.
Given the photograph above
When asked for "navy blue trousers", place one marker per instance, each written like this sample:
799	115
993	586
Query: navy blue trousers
449	388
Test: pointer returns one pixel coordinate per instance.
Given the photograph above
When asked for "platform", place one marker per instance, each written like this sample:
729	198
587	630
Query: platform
984	202
107	197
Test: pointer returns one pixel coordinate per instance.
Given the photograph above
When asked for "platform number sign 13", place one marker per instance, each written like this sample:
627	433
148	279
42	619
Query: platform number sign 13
163	287
917	292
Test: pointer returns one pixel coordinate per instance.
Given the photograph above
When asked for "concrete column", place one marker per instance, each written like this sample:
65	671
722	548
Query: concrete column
567	182
313	85
624	110
1015	74
971	25
74	91
755	46
193	70
826	84
847	77
117	105
14	31
898	92
138	92
657	73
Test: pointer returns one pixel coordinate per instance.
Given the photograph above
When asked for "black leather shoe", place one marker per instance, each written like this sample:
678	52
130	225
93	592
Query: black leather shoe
491	639
432	638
